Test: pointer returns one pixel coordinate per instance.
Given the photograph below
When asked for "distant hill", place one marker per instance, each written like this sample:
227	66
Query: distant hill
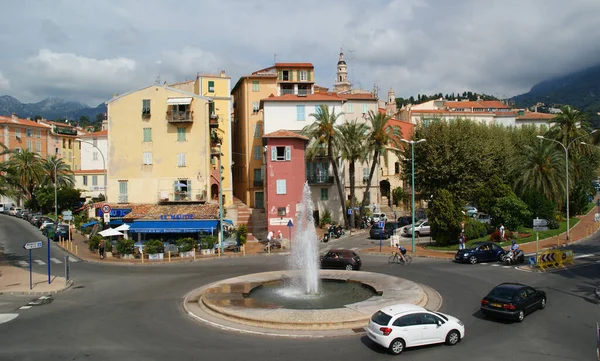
49	108
579	89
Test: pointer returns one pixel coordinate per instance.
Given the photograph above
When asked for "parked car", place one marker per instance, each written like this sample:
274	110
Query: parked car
404	221
421	229
406	325
483	218
61	230
341	258
512	301
46	225
470	211
13	211
378	217
481	252
385	232
230	245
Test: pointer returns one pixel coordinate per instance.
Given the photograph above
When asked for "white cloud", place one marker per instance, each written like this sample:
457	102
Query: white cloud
4	83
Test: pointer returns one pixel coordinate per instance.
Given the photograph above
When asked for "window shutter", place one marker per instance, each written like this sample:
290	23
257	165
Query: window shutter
308	75
298	74
273	153
183	159
189	186
280	75
179	159
288	152
175	187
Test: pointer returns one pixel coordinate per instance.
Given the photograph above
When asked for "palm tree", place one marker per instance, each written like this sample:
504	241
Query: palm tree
381	136
29	171
568	125
64	175
542	169
353	137
7	178
324	134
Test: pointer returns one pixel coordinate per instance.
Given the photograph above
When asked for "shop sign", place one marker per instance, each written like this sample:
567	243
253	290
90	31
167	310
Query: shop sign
114	212
176	216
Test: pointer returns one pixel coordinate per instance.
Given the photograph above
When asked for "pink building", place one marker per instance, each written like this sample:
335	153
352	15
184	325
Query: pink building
285	174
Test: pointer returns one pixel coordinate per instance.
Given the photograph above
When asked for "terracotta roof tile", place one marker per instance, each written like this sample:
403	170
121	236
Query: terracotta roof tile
101	133
307	98
25	122
89	171
358	96
294	65
283	133
535	116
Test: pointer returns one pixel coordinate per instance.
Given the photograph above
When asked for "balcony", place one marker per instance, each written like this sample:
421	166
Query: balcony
319	179
180	117
285	90
181	196
65	131
213	120
258	183
303	91
123	198
146	114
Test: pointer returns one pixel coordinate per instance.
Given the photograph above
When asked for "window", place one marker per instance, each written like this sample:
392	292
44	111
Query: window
256	152
147	134
281	211
123	191
29	146
147	158
365	109
211	86
255	107
429	319
286	75
397	168
256	130
255	86
303	75
18	133
408	320
38	133
181	159
94	180
300	112
70	159
257	177
29	132
55	151
281	186
38	146
281	153
259	200
350	107
145	107
95	156
56	138
70	144
85	183
324	194
95	142
64	143
366	171
181	134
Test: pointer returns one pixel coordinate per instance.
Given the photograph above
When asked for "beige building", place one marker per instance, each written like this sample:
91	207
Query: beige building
62	143
158	147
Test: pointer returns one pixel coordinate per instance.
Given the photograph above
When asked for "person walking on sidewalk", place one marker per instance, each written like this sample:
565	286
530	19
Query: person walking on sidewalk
101	248
502	232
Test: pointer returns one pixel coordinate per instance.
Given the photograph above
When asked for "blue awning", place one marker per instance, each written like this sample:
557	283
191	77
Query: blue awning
173	226
89	224
115	222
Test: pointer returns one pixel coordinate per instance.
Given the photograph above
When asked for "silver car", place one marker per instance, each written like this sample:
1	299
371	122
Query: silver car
421	229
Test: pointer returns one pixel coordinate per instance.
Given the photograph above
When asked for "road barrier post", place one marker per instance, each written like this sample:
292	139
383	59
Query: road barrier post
76	252
194	253
169	256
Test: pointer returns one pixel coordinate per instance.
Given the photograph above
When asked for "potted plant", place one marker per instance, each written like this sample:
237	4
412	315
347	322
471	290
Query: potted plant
207	244
155	249
125	248
186	247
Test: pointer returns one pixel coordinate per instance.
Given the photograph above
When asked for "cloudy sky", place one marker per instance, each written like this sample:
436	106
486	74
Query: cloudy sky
86	50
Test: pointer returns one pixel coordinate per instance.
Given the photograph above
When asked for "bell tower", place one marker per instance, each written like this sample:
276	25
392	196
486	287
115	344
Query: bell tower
390	107
341	80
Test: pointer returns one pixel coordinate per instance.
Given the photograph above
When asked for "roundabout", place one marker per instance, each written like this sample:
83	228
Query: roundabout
231	303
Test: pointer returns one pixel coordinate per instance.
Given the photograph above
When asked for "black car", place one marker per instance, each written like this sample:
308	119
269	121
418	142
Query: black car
341	258
512	301
481	252
62	230
404	221
386	232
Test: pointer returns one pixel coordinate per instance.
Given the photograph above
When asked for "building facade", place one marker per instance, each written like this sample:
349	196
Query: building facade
18	134
63	143
94	159
486	112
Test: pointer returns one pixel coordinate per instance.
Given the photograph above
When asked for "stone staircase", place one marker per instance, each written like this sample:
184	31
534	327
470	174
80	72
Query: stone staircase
385	207
244	216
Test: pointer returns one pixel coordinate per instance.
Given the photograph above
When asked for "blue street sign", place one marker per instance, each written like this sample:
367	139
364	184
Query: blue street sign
349	210
290	224
381	224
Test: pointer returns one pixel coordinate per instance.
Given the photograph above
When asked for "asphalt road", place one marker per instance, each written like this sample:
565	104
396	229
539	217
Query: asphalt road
135	313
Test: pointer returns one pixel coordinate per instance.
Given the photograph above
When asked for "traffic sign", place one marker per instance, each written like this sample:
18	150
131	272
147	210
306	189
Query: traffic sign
106	208
349	210
68	218
290	224
67	213
381	224
33	245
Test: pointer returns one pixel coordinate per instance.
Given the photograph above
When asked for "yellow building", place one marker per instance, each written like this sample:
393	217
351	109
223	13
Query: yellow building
216	88
158	147
280	79
62	143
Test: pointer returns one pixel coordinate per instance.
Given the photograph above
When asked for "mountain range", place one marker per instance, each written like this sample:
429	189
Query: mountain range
49	108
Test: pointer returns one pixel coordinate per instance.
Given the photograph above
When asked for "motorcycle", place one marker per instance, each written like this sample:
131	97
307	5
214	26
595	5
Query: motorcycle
325	238
512	257
276	245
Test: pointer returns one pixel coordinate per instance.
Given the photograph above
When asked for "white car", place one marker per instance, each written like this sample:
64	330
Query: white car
406	325
379	217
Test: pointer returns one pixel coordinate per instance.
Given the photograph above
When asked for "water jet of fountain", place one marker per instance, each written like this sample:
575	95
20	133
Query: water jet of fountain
305	251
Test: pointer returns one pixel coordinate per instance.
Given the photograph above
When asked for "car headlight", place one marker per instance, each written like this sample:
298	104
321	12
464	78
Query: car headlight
466	254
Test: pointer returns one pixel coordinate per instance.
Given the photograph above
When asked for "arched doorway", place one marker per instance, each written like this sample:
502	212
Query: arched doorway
214	191
384	190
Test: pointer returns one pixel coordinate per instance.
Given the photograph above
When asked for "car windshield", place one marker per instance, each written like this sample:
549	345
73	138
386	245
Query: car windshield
503	293
442	316
381	318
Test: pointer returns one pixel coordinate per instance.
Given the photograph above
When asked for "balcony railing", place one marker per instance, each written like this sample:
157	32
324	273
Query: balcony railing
123	198
319	179
258	183
181	196
179	117
213	120
303	91
65	131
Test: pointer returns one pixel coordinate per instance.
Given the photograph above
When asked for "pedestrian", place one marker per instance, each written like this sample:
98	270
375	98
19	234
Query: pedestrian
101	248
501	232
461	241
270	238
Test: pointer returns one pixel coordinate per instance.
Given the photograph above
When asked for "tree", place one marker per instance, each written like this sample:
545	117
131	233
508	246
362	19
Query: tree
511	212
63	175
568	125
487	193
99	117
324	134
84	121
538	205
68	198
444	217
30	172
399	195
353	136
381	136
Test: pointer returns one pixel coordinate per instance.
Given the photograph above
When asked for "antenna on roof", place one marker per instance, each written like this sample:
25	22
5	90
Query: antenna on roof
274	58
157	81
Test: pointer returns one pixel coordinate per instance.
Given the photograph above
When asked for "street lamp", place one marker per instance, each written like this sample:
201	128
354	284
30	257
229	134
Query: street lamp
412	152
567	167
103	165
55	193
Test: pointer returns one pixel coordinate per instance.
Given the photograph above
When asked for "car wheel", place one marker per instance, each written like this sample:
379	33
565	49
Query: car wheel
349	267
452	338
501	257
521	316
543	304
397	346
472	260
417	234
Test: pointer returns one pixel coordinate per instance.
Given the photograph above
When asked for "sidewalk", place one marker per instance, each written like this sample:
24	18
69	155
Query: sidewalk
15	280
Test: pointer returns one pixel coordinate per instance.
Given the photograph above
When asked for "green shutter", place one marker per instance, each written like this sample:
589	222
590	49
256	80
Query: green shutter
175	187
280	75
288	152
298	75
308	75
189	183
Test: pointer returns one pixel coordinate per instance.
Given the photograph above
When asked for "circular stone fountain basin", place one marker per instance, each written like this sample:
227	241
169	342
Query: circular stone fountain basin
231	301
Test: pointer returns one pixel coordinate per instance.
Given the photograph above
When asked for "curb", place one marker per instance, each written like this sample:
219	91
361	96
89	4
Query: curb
41	293
597	292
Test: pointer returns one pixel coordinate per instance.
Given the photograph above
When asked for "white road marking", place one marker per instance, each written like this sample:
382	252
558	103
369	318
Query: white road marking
23	263
24	307
583	256
495	265
598	261
40	262
54	260
505	266
7	317
354	249
71	259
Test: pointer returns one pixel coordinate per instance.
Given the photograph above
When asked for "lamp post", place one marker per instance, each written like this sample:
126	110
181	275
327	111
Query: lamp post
103	165
567	168
55	194
220	201
412	174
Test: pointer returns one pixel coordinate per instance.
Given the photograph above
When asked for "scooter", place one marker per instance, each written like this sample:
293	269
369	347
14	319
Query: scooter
325	238
512	258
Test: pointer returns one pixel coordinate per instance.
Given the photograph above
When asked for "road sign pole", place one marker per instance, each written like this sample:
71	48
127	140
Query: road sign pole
48	260
381	239
30	272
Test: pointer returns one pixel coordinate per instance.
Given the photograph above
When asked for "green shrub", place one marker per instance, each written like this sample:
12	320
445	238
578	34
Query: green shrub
242	233
444	218
94	242
208	242
475	229
510	211
154	246
186	244
326	219
125	246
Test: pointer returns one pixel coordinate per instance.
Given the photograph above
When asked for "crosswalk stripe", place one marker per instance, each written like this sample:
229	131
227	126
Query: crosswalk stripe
24	307
23	263
40	262
55	260
505	266
71	259
7	317
495	265
354	249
